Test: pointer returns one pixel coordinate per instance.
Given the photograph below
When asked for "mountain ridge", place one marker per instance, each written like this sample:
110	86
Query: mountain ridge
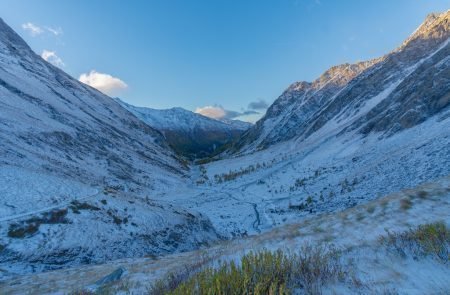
305	107
192	135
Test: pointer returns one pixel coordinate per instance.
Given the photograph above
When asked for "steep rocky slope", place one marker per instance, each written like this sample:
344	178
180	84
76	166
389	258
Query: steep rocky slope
51	122
388	94
191	135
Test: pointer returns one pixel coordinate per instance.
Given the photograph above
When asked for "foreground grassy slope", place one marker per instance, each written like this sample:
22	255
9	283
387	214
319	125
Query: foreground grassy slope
370	264
307	271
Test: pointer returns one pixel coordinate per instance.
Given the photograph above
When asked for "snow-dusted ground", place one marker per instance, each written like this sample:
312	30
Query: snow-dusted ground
332	173
370	267
290	182
94	227
25	192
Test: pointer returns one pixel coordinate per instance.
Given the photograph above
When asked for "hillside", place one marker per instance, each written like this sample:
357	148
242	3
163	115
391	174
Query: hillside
78	171
191	135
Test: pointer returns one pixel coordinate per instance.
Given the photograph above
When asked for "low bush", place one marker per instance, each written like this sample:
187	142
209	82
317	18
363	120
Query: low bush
31	226
19	231
76	206
262	272
427	239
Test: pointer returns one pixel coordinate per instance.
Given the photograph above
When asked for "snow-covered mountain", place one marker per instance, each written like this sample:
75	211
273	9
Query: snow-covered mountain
358	132
397	91
190	134
51	122
78	171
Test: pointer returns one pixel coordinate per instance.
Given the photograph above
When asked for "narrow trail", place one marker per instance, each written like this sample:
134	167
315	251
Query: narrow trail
42	210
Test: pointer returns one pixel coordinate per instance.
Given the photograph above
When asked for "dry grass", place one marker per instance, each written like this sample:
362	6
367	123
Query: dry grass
431	239
264	272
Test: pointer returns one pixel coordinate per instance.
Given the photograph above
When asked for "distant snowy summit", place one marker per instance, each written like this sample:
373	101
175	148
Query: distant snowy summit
190	134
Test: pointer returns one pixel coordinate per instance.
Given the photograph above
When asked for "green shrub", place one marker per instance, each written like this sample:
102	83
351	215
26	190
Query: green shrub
263	272
427	239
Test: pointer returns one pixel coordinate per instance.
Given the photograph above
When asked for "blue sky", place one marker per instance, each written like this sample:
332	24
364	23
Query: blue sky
203	53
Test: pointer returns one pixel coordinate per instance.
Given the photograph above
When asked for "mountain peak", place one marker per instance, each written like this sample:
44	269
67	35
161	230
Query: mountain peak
434	29
435	15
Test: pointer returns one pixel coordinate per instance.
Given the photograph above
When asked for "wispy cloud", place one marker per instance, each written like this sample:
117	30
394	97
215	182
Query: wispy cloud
36	30
32	28
51	57
55	31
103	82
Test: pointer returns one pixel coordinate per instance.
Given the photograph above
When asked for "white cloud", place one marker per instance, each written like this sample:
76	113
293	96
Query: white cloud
103	82
52	58
215	112
219	113
32	28
55	31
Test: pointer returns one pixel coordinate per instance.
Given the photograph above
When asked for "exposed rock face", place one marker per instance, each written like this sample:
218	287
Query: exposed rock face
53	123
388	94
191	135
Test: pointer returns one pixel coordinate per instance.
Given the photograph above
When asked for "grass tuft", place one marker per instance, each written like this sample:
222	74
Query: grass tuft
262	272
427	239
